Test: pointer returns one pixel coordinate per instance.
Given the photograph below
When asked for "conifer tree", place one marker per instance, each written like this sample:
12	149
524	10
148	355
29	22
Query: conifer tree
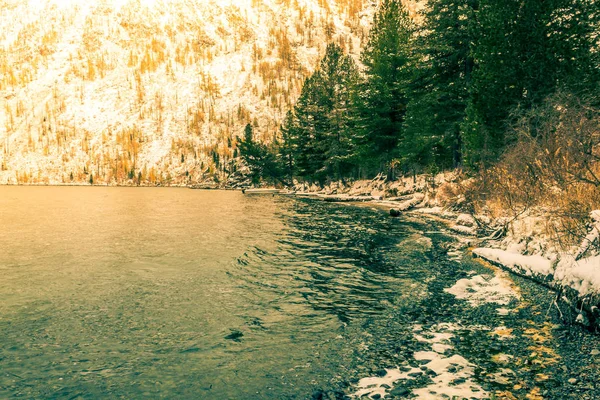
311	113
286	150
575	34
440	88
260	160
521	58
340	77
388	58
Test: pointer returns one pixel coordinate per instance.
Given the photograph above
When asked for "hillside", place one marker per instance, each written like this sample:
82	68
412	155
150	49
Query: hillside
154	91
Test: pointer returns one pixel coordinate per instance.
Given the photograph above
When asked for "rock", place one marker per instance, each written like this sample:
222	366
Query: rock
191	350
583	320
458	381
235	335
381	373
595	352
399	391
572	381
465	220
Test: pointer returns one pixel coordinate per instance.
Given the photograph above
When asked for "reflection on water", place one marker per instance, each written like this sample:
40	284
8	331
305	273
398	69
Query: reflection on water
147	293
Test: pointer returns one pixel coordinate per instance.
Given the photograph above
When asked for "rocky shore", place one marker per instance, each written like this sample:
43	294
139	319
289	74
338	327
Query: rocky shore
519	245
527	309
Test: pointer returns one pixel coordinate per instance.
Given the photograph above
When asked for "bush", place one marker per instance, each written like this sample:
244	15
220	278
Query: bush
553	161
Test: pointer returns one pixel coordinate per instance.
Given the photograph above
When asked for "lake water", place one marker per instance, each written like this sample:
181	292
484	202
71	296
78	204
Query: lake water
177	293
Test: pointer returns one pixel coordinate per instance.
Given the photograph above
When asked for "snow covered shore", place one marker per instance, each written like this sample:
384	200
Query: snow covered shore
577	281
573	272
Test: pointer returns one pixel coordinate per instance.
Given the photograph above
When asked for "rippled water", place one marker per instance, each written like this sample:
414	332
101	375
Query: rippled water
156	293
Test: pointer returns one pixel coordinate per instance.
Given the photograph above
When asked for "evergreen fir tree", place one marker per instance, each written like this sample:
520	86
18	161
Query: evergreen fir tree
311	113
521	58
340	77
259	158
440	89
388	60
286	149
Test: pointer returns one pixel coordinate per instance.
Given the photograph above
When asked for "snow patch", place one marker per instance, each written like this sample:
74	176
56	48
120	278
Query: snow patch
527	265
453	374
478	290
456	382
582	275
372	386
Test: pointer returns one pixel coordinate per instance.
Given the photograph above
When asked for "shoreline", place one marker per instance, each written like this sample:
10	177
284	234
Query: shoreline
578	291
572	276
480	352
501	290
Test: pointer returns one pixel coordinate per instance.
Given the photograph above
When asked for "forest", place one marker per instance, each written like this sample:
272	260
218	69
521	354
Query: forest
504	89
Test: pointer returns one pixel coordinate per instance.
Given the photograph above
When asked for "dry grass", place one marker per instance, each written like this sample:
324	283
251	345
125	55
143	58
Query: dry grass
552	167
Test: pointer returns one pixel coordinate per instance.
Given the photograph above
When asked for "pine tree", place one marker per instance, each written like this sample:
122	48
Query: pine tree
308	138
248	134
259	158
521	58
440	89
388	59
340	78
574	33
286	149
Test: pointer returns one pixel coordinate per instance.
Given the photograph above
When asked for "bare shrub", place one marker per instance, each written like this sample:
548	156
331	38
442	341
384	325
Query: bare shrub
553	162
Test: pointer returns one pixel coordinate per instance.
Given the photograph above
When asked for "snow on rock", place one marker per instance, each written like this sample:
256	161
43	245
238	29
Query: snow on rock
439	339
465	220
464	230
405	205
582	275
453	373
434	211
527	265
465	225
447	384
375	385
478	290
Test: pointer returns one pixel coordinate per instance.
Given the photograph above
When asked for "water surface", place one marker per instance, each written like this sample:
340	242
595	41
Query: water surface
155	292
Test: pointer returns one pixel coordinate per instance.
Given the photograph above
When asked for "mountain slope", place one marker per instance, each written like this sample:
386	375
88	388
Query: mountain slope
157	91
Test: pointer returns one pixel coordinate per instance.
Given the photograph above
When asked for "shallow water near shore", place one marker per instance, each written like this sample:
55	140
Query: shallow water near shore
176	293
